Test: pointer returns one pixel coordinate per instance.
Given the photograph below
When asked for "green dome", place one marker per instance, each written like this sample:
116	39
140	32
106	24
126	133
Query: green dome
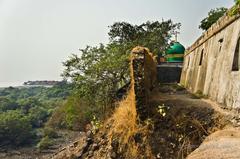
176	48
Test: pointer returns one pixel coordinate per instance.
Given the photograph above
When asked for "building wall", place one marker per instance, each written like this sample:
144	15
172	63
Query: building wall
213	76
169	72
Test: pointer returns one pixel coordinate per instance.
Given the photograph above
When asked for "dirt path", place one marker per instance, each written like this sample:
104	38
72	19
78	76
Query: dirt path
225	143
193	122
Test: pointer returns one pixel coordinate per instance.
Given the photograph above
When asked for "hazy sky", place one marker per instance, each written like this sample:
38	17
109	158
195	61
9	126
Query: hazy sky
37	35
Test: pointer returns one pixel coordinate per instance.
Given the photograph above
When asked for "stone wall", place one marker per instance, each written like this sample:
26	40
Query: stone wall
208	63
144	78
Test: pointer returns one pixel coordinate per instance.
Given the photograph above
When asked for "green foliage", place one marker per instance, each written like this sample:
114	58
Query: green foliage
38	116
72	112
47	139
100	71
23	110
74	115
15	128
198	95
28	103
235	9
96	124
98	74
212	17
45	143
153	35
7	104
50	132
59	91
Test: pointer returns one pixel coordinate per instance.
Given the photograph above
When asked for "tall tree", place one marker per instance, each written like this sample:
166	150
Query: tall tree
212	18
153	35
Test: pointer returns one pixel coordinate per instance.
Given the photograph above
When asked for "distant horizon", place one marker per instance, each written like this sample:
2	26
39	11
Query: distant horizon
19	83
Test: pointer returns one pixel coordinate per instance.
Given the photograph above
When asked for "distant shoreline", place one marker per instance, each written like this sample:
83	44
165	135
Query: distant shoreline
37	83
41	83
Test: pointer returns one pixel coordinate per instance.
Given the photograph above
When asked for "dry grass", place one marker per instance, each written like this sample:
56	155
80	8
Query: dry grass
124	124
125	118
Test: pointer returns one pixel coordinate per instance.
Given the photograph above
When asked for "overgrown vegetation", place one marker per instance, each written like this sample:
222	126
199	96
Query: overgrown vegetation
235	9
212	18
100	71
46	140
74	114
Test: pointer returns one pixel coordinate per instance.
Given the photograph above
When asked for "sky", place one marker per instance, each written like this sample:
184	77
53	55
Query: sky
36	36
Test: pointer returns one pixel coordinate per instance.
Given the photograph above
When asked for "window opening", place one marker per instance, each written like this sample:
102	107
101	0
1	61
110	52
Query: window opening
235	66
201	57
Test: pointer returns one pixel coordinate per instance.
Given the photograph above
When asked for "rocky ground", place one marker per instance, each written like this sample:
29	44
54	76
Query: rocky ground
65	138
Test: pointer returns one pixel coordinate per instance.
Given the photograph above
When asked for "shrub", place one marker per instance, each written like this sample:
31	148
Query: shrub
37	115
50	132
45	143
74	115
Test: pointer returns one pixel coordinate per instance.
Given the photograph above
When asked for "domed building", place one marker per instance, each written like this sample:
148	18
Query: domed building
170	70
175	53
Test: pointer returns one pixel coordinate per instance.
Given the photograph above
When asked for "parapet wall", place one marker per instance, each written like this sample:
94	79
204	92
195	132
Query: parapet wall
217	27
208	63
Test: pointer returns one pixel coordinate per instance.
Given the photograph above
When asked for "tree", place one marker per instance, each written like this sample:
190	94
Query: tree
15	128
101	70
7	104
212	17
37	116
98	74
27	104
153	35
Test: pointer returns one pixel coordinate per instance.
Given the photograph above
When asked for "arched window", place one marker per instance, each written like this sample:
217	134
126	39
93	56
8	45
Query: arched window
201	57
236	62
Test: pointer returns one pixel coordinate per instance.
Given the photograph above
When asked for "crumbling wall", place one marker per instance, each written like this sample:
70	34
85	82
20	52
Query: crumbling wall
208	63
145	78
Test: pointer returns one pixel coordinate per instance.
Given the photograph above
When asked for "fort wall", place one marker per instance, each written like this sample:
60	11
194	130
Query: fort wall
212	64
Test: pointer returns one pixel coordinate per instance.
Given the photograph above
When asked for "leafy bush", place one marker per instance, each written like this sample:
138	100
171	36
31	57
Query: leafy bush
50	132
15	128
37	116
74	115
45	143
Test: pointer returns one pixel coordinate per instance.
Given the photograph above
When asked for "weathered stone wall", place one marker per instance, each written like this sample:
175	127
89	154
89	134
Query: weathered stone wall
208	63
144	78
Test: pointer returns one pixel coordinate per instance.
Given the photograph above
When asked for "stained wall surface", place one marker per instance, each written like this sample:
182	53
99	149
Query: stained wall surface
209	66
